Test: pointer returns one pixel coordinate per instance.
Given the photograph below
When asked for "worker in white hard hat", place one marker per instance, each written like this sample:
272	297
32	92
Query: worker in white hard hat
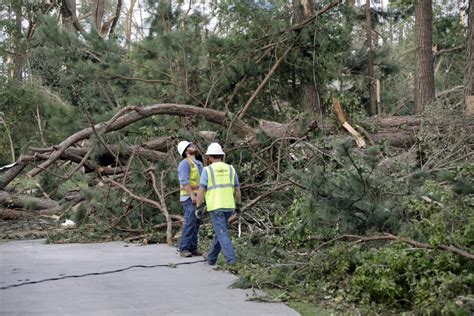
219	186
189	171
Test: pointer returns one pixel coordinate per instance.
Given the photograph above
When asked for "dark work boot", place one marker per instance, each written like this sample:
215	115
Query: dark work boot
197	253
185	253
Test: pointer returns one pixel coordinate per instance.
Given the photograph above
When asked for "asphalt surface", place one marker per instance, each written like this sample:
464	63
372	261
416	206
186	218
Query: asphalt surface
193	289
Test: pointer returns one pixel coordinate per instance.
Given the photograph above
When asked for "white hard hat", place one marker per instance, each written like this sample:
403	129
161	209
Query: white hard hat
214	149
182	146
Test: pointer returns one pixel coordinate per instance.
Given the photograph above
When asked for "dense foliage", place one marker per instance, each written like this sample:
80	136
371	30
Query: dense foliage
214	55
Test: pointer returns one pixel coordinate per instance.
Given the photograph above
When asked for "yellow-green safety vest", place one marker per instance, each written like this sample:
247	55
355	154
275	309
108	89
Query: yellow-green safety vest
220	186
193	179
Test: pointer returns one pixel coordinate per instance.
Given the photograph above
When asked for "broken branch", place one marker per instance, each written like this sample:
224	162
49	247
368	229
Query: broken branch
416	244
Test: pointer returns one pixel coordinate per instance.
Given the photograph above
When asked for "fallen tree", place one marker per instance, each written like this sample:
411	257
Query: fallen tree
26	202
398	131
13	214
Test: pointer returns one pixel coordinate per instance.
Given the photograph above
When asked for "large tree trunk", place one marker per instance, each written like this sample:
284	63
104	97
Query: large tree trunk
309	98
69	17
469	67
26	202
370	61
424	77
128	24
97	11
303	9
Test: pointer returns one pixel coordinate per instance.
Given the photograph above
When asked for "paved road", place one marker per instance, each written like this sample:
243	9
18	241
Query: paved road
194	289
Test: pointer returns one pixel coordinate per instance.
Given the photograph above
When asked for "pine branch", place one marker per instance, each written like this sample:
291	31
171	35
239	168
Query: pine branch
390	237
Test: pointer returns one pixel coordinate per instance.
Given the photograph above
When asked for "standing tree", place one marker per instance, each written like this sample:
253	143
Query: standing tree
97	12
303	9
69	17
370	61
424	77
469	67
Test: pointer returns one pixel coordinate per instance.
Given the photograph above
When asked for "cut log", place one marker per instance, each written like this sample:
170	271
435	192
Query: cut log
399	131
8	214
26	202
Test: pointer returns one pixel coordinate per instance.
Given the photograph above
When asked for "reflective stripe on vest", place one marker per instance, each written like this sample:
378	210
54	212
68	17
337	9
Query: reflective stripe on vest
220	186
214	186
193	178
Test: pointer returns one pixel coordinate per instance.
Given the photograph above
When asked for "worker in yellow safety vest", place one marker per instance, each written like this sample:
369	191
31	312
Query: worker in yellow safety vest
189	171
219	186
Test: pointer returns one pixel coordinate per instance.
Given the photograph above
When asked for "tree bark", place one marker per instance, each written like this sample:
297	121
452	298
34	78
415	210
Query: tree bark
7	214
26	202
16	214
370	61
469	67
303	9
98	10
69	17
116	17
128	24
13	172
424	77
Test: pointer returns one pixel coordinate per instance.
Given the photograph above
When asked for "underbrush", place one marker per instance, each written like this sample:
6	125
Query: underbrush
371	243
372	279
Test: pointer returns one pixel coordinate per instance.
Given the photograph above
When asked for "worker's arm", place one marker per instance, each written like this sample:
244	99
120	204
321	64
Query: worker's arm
238	195
202	187
188	190
200	197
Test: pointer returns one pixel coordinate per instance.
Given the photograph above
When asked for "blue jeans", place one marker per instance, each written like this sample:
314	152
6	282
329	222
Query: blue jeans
189	236
221	238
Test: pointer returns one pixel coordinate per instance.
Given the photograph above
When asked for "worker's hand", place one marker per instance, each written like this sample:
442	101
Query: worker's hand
194	198
200	210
